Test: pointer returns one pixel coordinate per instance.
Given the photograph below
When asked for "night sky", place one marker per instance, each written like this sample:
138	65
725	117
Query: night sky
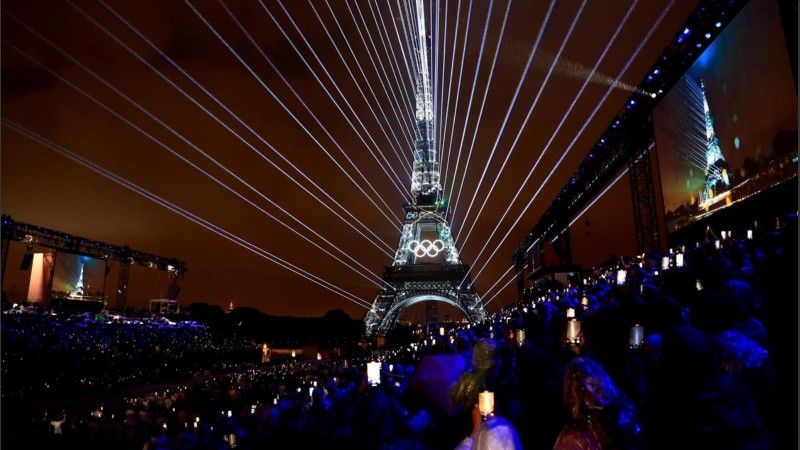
111	82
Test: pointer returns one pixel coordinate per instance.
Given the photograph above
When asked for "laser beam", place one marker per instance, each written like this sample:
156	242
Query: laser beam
184	213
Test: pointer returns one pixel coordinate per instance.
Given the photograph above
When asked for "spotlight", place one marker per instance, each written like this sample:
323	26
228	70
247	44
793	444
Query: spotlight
718	24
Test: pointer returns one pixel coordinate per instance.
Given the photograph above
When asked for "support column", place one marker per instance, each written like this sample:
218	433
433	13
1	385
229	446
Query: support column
173	288
643	197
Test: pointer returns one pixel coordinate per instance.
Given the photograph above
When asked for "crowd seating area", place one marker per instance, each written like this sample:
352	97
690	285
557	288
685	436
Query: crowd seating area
715	368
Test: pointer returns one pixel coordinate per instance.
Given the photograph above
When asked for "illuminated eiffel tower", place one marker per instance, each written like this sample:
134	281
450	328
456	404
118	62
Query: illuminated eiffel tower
427	265
717	184
79	285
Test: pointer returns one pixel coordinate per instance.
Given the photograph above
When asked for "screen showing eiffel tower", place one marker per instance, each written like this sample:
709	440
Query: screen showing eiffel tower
728	129
77	277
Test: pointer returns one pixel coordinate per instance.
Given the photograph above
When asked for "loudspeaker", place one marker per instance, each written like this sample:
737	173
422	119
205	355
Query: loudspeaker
27	259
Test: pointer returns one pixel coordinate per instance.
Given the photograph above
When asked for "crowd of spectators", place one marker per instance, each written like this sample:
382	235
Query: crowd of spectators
716	368
47	356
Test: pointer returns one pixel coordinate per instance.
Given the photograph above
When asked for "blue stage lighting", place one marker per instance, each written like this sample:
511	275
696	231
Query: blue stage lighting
686	32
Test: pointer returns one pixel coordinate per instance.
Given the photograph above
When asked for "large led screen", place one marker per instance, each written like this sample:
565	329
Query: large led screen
78	277
728	129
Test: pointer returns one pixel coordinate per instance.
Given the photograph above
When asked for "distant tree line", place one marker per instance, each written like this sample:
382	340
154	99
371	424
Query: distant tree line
336	329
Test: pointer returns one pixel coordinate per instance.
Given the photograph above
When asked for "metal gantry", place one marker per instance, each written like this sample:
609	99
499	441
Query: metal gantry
629	136
33	235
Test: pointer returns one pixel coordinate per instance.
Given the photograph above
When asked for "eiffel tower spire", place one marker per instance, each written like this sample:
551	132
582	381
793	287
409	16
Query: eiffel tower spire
427	266
425	188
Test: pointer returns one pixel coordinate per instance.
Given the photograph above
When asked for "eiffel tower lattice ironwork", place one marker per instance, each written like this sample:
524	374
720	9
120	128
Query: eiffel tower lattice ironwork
427	265
717	184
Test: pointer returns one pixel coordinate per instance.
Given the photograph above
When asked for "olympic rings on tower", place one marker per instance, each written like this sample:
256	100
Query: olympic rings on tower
426	247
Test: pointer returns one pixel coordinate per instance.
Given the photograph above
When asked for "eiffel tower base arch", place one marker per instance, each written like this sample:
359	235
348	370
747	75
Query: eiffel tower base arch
393	300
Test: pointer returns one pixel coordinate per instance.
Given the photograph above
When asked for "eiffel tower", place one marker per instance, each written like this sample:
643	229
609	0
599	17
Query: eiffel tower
79	285
717	182
427	265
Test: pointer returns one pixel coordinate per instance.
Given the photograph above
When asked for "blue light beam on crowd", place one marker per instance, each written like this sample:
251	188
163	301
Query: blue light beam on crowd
572	143
401	156
563	117
349	223
252	72
185	214
194	166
